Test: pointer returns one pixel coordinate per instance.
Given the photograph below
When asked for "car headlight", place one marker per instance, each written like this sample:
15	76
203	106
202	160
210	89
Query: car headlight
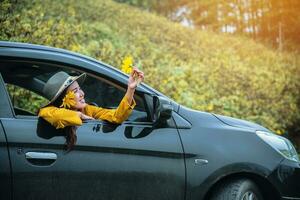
280	144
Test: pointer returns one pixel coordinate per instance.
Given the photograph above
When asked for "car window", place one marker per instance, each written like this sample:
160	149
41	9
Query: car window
107	94
25	81
24	101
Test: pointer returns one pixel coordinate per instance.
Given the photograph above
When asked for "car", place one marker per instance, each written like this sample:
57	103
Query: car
163	151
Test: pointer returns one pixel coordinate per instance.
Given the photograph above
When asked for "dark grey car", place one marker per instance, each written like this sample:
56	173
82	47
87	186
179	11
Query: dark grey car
163	151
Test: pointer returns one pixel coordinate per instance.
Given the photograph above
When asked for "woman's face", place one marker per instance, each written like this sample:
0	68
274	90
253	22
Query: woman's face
79	96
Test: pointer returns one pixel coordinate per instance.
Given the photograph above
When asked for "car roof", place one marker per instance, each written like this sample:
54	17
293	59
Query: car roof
57	51
48	48
30	46
20	45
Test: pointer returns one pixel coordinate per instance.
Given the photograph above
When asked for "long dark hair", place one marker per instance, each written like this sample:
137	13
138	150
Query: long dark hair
70	131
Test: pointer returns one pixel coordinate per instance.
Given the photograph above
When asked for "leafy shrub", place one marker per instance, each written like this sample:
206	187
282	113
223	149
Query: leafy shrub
202	70
22	98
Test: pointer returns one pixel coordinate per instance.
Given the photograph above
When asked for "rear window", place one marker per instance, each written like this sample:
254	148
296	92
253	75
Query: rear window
25	102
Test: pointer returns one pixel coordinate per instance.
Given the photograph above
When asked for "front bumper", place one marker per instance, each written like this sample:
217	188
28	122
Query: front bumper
286	179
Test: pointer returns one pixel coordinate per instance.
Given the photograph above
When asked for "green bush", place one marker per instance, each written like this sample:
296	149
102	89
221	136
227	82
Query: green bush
222	74
25	99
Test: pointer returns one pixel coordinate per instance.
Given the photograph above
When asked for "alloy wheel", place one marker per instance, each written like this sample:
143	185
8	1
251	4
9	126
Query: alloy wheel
249	196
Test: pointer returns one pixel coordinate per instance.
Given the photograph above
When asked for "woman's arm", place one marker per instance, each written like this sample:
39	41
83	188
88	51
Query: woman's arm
135	78
122	112
61	117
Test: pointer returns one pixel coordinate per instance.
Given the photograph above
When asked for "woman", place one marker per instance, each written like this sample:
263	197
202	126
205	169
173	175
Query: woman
67	107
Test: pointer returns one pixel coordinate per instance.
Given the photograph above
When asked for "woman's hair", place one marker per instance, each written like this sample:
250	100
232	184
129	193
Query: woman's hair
70	131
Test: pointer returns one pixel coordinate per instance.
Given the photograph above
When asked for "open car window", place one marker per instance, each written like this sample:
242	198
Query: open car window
106	94
24	101
25	81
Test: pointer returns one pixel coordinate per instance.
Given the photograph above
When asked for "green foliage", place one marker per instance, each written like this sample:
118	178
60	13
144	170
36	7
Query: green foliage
202	70
275	22
25	99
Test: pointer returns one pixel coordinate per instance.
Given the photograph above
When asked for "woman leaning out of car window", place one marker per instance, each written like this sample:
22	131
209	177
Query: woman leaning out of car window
67	107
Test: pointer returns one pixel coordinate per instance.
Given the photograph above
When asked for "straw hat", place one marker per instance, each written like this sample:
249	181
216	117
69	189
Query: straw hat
58	83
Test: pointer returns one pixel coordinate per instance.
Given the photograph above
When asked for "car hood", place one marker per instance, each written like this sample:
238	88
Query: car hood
240	123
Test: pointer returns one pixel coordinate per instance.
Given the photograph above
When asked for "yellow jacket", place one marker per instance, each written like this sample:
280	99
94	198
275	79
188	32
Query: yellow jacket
61	117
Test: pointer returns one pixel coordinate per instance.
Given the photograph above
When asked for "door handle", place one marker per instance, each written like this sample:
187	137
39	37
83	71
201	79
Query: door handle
41	155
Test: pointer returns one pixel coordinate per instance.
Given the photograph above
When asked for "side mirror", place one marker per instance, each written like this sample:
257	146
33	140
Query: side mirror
162	109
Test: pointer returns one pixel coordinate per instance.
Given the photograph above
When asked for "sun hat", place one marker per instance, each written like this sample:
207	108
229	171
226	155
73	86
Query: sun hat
58	83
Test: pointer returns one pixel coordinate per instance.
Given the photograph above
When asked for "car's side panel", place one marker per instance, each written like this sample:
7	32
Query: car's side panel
108	162
212	147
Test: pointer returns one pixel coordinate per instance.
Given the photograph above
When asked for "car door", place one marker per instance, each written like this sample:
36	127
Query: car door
133	160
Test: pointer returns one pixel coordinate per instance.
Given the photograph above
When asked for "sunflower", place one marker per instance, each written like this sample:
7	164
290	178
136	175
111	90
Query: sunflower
126	66
69	100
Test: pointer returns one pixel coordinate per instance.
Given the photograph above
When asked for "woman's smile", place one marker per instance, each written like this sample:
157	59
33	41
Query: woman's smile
82	100
79	95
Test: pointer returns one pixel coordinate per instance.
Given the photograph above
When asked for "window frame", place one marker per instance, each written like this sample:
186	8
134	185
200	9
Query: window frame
14	107
6	109
137	96
67	67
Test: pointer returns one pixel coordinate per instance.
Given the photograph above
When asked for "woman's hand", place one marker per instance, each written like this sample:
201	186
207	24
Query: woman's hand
136	77
84	117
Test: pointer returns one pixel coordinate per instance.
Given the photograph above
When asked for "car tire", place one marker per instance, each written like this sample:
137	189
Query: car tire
237	189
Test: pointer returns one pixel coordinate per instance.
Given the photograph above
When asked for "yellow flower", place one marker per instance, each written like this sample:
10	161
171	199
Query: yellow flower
126	66
210	107
69	100
279	132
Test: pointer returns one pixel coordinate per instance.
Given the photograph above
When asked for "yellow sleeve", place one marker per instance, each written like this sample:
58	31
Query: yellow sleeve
60	117
118	115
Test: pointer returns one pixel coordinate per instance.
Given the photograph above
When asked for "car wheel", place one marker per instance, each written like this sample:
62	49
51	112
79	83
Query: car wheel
238	189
